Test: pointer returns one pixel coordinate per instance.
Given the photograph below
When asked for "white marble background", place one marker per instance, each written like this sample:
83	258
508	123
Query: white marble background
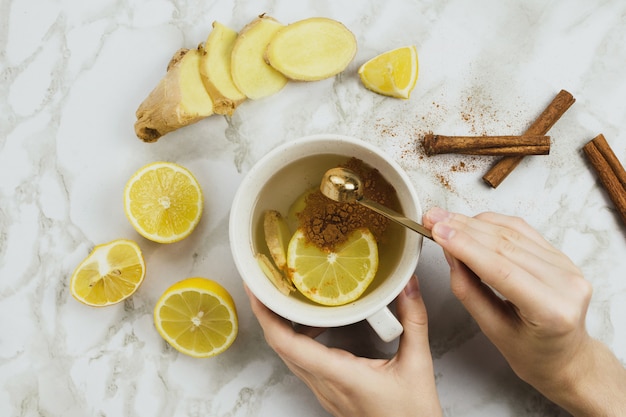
73	72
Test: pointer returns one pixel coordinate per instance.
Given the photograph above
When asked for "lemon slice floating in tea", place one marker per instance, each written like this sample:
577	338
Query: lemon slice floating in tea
163	201
197	316
333	277
111	273
392	73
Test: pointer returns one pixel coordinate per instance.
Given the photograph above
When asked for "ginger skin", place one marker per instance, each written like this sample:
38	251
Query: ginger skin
179	99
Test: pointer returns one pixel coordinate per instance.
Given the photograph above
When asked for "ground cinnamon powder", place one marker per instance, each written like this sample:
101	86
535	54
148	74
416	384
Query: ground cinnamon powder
327	223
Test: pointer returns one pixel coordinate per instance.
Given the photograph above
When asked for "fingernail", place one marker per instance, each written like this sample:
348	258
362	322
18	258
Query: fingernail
437	214
443	231
412	288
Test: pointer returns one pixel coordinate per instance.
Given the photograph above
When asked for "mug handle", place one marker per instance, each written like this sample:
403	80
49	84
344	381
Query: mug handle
385	324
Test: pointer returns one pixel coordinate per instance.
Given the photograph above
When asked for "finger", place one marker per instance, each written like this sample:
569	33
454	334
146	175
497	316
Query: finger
489	310
259	309
517	224
413	349
316	365
512	281
268	319
552	290
309	331
505	232
512	232
434	215
498	231
279	333
545	264
549	267
294	348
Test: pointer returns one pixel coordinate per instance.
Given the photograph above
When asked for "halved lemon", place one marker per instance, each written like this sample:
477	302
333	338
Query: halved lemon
393	73
197	316
163	201
333	277
111	273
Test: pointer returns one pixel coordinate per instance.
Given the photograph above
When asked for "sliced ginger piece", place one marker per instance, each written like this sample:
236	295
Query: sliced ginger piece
215	70
277	237
312	49
280	281
251	74
179	99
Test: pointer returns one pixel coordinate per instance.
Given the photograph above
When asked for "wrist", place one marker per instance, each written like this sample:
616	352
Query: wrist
591	384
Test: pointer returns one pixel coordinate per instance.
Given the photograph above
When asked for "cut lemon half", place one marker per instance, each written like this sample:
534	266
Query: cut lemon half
336	277
393	73
111	273
197	316
163	201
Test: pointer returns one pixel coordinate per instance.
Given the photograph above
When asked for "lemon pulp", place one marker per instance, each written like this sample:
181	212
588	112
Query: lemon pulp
111	273
163	202
197	316
393	73
333	277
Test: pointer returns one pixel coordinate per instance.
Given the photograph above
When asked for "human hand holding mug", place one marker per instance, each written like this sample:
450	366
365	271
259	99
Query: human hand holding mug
347	385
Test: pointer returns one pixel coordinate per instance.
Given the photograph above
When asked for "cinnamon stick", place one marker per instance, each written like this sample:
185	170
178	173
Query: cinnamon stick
487	145
610	158
544	122
609	170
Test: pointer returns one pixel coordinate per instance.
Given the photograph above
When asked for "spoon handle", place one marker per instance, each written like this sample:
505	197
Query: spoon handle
396	217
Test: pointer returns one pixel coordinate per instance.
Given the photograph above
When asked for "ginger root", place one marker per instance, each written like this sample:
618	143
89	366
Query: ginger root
311	49
230	67
251	74
215	70
179	99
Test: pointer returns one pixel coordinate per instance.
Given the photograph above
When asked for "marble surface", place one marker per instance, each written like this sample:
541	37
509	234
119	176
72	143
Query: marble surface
72	74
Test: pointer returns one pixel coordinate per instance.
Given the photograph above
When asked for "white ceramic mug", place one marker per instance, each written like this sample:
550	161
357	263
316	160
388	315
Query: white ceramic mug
275	182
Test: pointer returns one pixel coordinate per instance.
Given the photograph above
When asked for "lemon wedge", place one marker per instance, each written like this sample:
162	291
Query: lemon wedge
111	273
393	73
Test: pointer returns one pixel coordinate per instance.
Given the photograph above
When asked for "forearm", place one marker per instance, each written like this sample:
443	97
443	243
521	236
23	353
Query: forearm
595	386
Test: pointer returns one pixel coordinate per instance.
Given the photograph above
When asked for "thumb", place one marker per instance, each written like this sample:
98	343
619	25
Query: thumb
412	314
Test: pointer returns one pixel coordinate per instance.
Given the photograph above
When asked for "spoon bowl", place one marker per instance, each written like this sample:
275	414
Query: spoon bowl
342	185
